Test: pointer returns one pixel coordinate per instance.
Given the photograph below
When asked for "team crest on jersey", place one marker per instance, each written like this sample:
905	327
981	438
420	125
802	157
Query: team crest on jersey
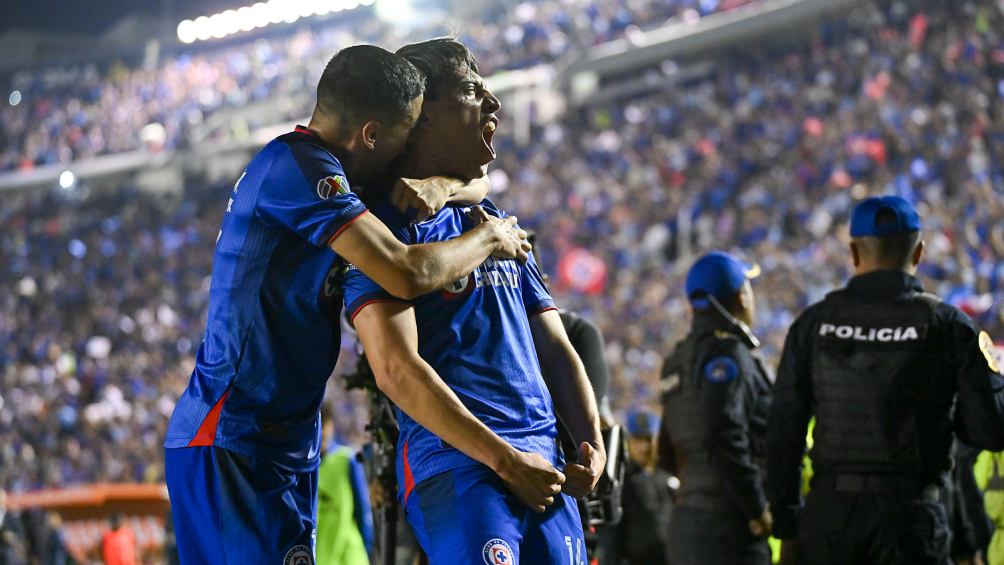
498	552
299	555
328	186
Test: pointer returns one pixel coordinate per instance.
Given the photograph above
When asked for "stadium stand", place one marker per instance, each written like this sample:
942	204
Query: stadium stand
105	288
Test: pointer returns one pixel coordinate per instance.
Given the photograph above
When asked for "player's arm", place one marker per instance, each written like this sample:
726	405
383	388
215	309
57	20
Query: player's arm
573	399
389	328
787	424
979	415
421	198
409	271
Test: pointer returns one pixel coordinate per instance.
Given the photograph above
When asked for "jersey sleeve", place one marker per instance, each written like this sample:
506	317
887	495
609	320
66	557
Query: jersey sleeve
359	289
307	192
536	298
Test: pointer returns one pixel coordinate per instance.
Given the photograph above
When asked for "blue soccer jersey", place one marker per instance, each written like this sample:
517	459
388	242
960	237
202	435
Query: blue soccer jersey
272	334
476	335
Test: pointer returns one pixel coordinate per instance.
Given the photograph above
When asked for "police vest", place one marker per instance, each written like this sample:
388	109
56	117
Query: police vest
690	408
882	393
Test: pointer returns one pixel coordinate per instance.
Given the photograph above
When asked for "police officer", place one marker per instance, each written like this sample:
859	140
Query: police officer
880	364
715	400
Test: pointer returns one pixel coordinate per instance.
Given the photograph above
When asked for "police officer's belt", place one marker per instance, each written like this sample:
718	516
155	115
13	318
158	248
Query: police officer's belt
884	485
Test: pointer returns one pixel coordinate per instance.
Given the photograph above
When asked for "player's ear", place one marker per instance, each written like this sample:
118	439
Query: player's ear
918	252
371	131
855	254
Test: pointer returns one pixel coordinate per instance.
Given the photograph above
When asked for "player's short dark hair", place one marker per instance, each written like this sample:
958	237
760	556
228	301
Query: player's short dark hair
365	82
441	60
894	250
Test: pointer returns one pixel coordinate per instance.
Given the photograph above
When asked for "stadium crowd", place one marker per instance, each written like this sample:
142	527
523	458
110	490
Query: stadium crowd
75	113
104	294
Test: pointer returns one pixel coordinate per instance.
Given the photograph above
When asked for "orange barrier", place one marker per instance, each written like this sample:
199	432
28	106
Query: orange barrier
85	511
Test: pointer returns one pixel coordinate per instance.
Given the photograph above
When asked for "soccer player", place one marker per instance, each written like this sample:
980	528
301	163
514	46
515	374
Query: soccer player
474	366
243	444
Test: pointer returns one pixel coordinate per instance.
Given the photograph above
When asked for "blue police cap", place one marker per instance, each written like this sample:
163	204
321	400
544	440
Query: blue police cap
642	423
863	217
718	274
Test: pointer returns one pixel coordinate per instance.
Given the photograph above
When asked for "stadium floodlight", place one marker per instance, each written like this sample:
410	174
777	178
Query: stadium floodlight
203	29
186	31
15	98
66	179
259	15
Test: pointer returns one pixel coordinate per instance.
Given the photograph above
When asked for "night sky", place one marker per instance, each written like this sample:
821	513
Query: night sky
93	17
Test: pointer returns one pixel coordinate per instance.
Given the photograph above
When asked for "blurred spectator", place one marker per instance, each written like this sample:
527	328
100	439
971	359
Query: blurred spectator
13	546
345	533
641	536
118	546
76	113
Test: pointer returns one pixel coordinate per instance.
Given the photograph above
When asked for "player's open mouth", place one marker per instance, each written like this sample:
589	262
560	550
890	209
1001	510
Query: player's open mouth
488	132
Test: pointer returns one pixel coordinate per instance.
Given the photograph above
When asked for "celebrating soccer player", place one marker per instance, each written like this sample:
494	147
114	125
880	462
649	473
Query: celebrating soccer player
474	366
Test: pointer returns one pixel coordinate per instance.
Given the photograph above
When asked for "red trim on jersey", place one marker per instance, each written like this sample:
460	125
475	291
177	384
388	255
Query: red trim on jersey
409	480
347	224
304	130
206	435
541	311
352	318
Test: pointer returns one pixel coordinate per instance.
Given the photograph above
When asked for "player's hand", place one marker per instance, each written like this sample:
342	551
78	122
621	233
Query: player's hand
533	480
421	198
762	525
510	240
581	477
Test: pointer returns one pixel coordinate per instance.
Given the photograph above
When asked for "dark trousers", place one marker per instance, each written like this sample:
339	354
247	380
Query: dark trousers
713	536
871	529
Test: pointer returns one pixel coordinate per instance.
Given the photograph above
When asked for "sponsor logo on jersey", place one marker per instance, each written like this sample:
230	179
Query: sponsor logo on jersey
299	555
858	333
497	272
328	186
498	552
493	272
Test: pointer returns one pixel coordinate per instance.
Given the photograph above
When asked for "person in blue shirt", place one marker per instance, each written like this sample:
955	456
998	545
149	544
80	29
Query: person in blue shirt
243	445
478	368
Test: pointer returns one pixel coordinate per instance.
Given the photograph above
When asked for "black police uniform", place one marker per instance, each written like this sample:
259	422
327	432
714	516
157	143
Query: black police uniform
640	538
883	367
716	395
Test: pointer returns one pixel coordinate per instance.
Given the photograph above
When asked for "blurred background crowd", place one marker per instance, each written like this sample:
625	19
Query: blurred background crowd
104	292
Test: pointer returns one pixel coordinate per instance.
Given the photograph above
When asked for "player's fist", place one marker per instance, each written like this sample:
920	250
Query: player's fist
581	477
533	480
510	240
421	198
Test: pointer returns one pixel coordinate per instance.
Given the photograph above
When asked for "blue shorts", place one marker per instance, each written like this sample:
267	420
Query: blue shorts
468	516
230	508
